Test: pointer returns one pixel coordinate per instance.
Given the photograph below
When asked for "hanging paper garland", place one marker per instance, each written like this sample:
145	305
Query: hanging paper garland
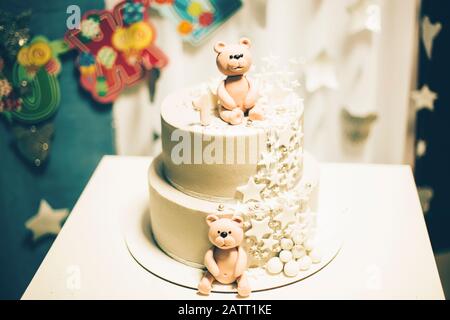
116	48
196	19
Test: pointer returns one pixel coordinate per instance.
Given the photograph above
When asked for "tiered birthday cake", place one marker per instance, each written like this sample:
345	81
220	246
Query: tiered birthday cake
239	157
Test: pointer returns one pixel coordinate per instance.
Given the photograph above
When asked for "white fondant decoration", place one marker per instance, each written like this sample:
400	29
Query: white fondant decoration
46	221
309	245
429	32
267	159
321	73
286	244
251	191
304	263
365	15
298	251
259	229
274	265
275	179
421	148
284	137
315	256
424	98
287	216
285	256
269	243
291	268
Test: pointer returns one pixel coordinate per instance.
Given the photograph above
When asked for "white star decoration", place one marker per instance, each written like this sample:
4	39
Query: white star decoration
275	179
259	228
268	243
320	73
284	137
267	159
287	216
251	191
365	15
424	98
46	221
429	32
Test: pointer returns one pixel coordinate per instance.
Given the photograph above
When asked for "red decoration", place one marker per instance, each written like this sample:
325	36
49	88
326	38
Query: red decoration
103	81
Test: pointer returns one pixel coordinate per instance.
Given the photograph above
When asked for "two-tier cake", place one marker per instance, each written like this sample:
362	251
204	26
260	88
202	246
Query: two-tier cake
255	167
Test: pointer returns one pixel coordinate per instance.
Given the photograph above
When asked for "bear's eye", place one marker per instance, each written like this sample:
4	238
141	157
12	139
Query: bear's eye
229	232
218	231
231	56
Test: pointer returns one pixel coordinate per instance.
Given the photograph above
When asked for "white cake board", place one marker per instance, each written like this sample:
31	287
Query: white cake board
145	251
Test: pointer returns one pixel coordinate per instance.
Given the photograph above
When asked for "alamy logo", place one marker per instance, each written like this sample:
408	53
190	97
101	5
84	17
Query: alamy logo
188	148
74	18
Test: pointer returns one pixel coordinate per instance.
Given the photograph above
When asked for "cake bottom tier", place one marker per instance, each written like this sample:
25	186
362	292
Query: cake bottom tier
180	229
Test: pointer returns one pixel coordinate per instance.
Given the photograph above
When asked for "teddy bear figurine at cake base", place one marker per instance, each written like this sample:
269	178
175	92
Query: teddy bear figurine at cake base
237	94
226	261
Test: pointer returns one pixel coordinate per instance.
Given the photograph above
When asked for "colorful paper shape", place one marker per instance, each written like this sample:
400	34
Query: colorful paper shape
116	49
196	19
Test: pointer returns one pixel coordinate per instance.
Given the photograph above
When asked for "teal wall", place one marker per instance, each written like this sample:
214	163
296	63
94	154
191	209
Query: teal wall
83	134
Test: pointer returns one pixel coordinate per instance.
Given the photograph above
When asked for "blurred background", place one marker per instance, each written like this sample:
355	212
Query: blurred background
372	73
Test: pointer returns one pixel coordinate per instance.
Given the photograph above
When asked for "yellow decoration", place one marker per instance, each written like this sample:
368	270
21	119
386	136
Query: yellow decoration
195	9
22	57
39	53
87	70
120	39
185	27
140	34
136	37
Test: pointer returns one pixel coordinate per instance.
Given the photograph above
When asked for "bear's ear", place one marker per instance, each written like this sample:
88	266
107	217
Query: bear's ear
238	220
211	218
219	47
245	42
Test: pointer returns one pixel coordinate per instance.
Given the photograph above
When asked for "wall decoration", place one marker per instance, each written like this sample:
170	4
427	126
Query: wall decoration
432	107
320	73
196	19
116	49
29	88
429	32
365	15
47	220
357	127
424	98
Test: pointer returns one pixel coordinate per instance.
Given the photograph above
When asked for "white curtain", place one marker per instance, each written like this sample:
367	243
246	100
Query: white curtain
374	72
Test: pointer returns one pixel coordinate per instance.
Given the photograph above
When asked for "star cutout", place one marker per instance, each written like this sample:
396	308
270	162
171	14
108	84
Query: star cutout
365	15
259	228
241	208
267	159
269	243
287	216
421	148
251	191
320	73
46	221
429	32
424	98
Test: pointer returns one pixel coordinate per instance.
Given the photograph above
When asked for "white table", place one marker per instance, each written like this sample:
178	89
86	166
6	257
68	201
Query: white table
386	253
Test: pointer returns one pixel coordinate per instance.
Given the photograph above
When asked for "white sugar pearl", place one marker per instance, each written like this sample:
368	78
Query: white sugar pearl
309	245
298	252
286	244
305	263
315	256
291	268
285	256
298	238
274	265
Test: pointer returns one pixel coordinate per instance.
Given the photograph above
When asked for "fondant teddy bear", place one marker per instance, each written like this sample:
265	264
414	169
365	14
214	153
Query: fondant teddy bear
237	94
226	261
